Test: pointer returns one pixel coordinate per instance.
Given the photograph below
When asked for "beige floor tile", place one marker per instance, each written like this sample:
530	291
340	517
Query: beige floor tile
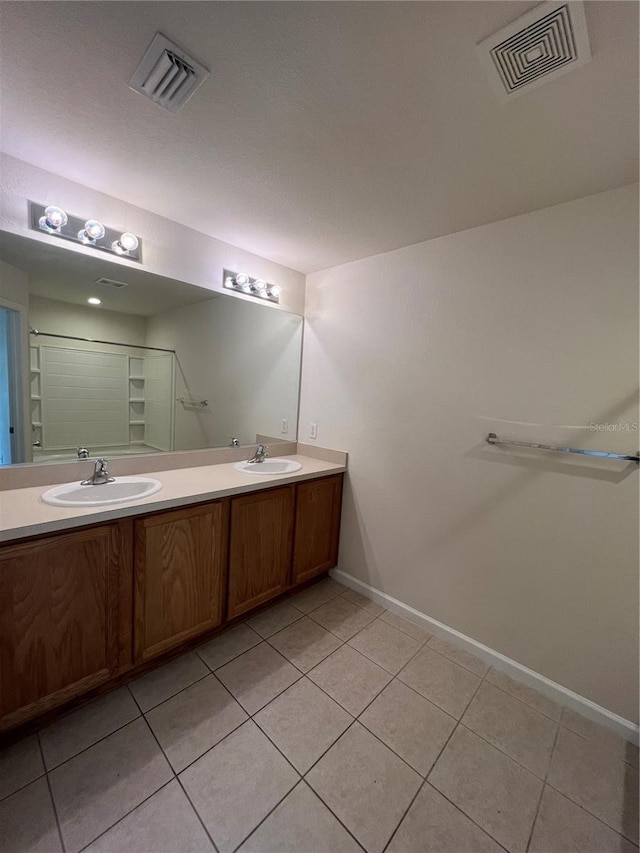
563	827
350	678
495	792
305	643
385	645
165	681
604	785
274	619
76	731
517	729
526	694
165	823
237	783
440	681
366	786
458	655
303	722
616	746
433	824
362	601
20	764
300	824
257	677
404	625
193	721
228	646
27	821
315	595
414	728
95	789
341	617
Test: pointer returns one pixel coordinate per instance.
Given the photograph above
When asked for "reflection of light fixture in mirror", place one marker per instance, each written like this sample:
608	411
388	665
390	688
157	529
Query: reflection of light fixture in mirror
53	220
93	300
128	242
92	231
257	287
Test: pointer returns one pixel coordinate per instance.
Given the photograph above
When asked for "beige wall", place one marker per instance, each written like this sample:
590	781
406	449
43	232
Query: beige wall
529	328
66	318
169	249
243	358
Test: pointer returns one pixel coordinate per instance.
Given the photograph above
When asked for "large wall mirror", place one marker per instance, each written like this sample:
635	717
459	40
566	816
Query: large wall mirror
155	365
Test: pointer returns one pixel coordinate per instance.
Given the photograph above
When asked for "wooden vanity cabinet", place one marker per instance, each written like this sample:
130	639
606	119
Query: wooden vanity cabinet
78	609
317	527
62	626
179	567
260	548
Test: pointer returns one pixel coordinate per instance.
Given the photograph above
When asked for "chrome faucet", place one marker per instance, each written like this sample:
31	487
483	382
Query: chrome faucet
100	475
234	442
82	453
260	454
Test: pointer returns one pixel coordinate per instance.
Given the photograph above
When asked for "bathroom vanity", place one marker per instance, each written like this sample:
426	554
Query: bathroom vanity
89	598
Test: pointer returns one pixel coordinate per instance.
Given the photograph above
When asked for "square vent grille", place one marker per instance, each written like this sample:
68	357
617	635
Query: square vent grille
167	74
542	45
111	282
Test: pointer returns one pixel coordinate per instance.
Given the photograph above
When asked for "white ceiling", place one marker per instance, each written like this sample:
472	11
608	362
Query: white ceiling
325	131
56	273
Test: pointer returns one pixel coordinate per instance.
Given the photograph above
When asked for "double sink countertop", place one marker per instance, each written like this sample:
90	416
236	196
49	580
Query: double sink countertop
23	514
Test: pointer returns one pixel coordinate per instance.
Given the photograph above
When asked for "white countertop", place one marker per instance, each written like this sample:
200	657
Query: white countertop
22	512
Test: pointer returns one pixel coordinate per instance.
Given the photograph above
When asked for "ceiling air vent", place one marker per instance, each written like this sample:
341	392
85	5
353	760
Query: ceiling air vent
167	74
542	45
110	282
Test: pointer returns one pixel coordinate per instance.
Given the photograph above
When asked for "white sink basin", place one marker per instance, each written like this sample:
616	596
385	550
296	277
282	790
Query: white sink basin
269	466
123	489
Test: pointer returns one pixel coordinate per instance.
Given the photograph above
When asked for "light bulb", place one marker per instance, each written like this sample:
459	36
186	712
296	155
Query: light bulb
242	279
260	285
54	218
92	231
275	291
93	300
127	243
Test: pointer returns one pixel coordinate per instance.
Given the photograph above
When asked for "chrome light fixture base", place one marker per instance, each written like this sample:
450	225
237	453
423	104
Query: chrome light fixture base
256	287
80	230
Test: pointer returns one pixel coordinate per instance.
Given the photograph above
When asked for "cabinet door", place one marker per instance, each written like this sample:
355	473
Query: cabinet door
60	632
318	505
260	555
179	575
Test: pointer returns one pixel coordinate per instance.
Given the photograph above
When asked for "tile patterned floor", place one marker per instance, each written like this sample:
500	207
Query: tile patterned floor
323	725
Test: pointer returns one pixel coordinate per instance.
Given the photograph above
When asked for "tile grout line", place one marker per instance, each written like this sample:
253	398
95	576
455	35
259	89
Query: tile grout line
595	817
437	758
124	816
177	777
171	696
53	802
544	783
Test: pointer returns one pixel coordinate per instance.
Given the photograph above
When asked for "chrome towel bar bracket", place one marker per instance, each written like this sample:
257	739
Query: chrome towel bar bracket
492	438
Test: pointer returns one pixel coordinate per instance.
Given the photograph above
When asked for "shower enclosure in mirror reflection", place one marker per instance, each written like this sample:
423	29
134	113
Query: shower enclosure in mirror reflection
157	365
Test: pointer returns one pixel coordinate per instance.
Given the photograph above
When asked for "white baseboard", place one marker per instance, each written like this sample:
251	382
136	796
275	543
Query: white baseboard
551	689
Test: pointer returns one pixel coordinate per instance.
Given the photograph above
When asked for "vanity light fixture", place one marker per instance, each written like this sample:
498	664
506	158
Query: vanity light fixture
54	219
127	243
258	287
91	232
